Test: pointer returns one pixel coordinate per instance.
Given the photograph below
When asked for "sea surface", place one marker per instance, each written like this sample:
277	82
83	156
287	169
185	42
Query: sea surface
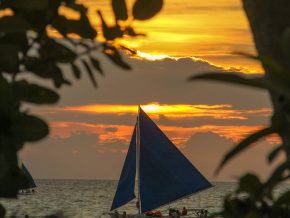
93	198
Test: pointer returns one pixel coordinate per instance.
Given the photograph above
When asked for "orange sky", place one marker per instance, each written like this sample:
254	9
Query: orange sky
186	38
212	30
174	112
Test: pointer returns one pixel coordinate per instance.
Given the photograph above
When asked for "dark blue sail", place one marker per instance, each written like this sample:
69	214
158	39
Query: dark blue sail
165	173
31	183
126	185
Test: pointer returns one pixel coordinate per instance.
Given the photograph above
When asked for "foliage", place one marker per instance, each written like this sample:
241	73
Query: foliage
27	48
253	198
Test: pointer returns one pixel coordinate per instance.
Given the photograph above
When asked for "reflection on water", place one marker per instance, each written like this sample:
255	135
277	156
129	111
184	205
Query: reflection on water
92	198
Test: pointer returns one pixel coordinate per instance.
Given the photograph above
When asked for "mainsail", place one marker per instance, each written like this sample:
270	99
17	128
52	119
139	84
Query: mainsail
165	174
31	183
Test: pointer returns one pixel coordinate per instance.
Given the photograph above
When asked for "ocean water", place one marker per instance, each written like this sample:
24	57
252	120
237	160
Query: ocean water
93	198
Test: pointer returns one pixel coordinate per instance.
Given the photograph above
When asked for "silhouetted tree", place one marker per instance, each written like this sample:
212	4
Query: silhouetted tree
270	24
27	48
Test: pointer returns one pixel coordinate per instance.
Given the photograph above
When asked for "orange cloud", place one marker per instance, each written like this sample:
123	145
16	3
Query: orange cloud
179	135
66	129
181	30
233	132
177	111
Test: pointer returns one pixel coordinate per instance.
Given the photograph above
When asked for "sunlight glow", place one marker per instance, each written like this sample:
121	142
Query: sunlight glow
153	57
151	108
178	111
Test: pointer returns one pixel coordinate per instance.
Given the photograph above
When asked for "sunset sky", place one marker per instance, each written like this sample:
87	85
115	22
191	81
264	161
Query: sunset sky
91	129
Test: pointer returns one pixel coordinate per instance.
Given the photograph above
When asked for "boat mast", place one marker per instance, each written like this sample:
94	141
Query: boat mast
138	161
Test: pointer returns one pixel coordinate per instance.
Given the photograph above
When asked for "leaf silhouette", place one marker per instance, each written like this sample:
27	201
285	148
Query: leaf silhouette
112	53
146	9
90	73
283	199
273	154
244	144
255	82
120	9
29	128
34	93
97	66
277	175
76	71
110	33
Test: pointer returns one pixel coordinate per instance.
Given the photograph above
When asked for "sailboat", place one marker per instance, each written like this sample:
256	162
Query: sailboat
28	187
160	171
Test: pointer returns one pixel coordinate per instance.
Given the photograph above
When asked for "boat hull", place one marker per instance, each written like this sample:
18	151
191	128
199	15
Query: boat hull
25	193
112	215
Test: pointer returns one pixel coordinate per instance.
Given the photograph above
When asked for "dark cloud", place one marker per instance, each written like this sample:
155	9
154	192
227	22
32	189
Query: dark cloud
205	150
111	129
163	81
81	156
